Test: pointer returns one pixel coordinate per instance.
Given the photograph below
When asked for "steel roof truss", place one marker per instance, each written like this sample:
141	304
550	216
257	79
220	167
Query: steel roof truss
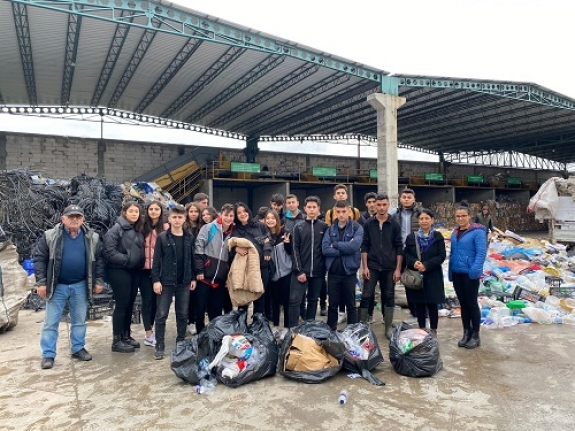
22	25
348	109
175	65
221	64
72	38
261	69
505	159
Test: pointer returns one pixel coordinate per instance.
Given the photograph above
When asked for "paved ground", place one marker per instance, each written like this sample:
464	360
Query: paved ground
521	378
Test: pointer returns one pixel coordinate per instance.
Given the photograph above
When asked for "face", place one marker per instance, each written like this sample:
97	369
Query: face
207	216
72	222
340	195
132	214
370	205
176	220
292	204
342	214
270	221
485	210
382	207
154	212
193	214
425	222
242	215
203	203
227	218
277	207
462	218
407	200
312	210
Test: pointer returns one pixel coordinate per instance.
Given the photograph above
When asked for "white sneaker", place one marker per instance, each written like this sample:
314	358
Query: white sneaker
150	341
192	329
341	317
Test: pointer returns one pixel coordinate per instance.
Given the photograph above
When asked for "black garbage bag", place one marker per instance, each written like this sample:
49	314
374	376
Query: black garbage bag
362	352
233	322
324	337
422	360
189	360
260	329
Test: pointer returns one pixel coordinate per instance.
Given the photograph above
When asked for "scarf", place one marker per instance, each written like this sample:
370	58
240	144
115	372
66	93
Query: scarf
425	240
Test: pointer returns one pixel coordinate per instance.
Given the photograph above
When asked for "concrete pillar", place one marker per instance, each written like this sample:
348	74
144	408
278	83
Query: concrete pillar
3	151
101	158
386	106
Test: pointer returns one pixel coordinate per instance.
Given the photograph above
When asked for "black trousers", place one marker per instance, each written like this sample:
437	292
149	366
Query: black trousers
386	284
124	284
279	291
210	300
298	290
466	290
341	290
182	297
421	313
148	299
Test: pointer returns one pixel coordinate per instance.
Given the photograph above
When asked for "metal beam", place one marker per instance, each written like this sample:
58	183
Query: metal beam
22	25
506	159
120	35
72	38
273	90
185	23
137	57
221	64
511	90
175	65
266	66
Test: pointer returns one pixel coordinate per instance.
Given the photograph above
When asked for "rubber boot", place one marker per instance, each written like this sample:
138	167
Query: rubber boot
130	341
118	345
474	341
388	320
465	338
363	315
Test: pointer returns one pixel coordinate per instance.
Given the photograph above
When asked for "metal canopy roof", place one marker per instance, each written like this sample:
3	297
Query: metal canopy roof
158	59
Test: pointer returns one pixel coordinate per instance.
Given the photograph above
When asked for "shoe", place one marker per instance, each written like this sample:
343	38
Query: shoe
388	322
323	311
465	338
474	341
370	320
119	346
192	329
150	341
341	317
411	320
47	363
82	355
159	352
130	341
433	332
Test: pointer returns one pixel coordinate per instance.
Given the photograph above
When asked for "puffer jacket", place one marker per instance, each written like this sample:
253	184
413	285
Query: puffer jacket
211	255
244	281
468	252
349	249
124	246
47	258
258	234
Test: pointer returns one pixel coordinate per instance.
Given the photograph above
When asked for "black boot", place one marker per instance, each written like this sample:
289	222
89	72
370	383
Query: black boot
474	341
129	340
118	345
465	339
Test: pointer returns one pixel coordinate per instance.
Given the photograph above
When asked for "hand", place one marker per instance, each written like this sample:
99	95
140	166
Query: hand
193	285
158	287
242	251
396	275
266	258
302	278
286	238
365	273
98	289
41	290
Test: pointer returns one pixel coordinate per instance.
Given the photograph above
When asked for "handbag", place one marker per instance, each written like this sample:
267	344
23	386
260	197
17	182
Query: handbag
411	278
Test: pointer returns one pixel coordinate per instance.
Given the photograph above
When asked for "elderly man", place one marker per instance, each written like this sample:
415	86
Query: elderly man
68	266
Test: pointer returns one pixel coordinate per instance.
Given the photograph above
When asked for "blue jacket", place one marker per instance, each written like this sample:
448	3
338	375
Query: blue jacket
349	249
468	252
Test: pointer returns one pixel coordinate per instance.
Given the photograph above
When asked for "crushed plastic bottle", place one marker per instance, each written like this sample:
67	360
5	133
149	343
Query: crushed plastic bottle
342	397
206	386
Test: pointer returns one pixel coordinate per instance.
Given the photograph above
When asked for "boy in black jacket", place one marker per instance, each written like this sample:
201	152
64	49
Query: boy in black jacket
172	275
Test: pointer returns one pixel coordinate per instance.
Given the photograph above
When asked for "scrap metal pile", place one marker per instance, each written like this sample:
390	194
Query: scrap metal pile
30	204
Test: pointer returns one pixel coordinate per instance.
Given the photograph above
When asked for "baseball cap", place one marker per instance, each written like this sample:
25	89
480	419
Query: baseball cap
73	209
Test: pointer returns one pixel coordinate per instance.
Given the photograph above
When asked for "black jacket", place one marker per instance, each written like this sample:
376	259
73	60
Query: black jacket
382	245
306	248
47	257
124	246
164	268
364	217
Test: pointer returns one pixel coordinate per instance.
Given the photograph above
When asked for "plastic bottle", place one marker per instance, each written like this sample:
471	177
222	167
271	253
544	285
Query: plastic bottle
205	387
342	397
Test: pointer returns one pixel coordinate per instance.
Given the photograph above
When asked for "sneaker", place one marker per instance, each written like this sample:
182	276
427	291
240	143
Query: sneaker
150	341
159	352
370	320
341	317
82	355
411	320
47	363
323	311
192	329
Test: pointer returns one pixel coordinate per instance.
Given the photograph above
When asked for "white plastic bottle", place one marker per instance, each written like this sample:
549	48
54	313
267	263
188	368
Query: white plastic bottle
342	397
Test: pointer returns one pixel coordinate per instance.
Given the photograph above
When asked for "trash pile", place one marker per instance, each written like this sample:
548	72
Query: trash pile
14	286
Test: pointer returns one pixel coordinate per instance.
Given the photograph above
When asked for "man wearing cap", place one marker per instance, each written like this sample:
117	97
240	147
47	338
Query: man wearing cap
68	266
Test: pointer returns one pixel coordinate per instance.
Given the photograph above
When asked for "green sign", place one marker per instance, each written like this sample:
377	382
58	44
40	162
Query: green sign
324	172
373	174
251	168
474	179
514	181
433	176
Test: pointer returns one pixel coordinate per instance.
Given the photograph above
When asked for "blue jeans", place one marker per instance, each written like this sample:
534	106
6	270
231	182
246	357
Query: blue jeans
76	295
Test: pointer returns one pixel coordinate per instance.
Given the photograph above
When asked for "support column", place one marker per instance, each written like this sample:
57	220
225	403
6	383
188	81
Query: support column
386	106
251	150
3	151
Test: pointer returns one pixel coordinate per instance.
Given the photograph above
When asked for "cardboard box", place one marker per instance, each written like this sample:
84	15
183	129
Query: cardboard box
305	354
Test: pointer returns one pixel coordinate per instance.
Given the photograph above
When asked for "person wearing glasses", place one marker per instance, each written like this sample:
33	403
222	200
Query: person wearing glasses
468	251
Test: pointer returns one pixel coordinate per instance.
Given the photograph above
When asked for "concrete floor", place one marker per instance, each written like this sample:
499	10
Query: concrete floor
521	378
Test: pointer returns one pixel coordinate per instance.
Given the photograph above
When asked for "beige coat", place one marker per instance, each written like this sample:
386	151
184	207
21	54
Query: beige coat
244	281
